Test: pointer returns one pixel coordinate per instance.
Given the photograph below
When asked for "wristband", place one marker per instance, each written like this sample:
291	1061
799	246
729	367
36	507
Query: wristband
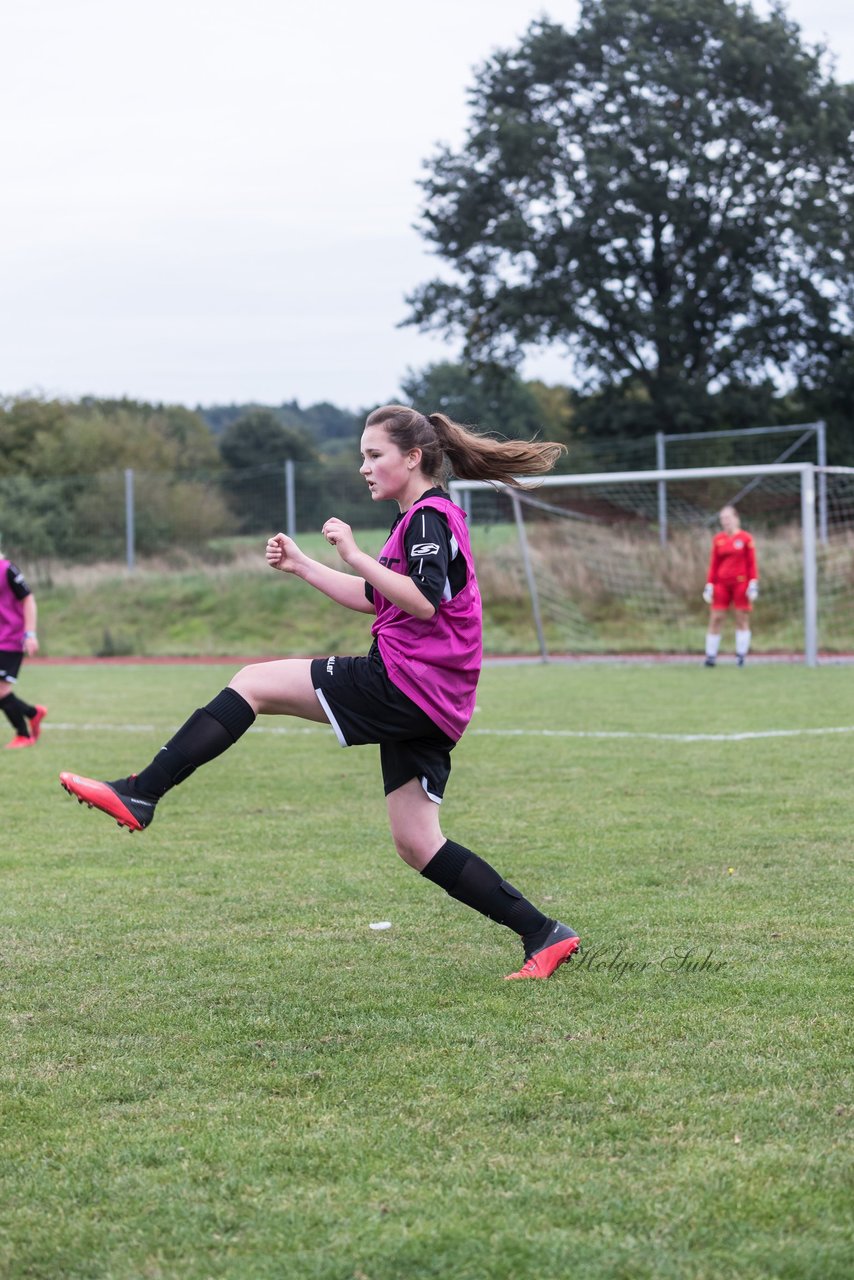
30	635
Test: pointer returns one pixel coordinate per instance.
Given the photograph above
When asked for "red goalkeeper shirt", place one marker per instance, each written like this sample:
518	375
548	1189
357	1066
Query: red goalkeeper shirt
733	558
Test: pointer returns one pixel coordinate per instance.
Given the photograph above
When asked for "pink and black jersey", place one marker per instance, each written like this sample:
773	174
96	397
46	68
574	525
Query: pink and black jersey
13	592
436	661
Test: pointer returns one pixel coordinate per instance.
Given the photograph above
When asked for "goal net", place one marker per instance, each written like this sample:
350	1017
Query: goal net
615	563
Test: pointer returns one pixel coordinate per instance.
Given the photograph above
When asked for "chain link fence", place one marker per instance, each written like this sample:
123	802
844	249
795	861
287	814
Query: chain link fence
124	516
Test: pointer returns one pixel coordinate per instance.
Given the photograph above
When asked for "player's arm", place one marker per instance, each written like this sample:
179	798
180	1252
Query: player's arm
752	571
344	588
430	550
19	589
714	562
711	576
750	552
31	639
396	587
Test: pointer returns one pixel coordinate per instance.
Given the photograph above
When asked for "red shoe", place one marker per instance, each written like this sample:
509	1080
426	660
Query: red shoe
557	949
129	811
20	741
36	722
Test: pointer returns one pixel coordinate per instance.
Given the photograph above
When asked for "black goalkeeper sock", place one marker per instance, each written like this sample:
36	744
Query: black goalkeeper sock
208	732
469	879
16	714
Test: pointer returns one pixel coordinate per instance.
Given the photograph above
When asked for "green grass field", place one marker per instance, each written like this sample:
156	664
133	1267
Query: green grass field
212	1067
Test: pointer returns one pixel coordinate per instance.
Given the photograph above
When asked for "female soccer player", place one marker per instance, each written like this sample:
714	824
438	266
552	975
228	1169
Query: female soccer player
413	694
18	640
733	579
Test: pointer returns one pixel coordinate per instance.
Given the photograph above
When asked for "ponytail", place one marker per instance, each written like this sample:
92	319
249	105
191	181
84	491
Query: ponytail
447	446
482	457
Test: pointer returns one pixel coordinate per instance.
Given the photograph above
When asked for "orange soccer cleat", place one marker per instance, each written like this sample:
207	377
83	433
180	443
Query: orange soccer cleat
555	951
111	798
36	722
19	741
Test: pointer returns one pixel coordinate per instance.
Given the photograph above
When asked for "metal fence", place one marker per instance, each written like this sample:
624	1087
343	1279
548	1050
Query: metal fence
124	516
132	514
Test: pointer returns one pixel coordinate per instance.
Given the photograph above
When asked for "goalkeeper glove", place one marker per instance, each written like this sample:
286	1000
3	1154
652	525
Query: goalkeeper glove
708	593
752	590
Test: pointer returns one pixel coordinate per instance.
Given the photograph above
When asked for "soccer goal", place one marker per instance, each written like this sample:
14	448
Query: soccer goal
583	554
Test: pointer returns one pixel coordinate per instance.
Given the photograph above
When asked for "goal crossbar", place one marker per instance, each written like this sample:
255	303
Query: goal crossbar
609	477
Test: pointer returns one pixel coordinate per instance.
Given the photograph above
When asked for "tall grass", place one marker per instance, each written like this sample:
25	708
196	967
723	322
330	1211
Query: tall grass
601	589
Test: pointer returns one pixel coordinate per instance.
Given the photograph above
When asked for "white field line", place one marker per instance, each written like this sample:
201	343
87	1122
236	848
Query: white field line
662	737
626	734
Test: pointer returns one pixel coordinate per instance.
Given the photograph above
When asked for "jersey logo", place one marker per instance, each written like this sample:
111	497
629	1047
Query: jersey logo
424	549
738	545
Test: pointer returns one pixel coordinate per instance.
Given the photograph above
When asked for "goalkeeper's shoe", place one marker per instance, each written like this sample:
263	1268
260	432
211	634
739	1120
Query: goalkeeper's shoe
710	662
555	951
113	798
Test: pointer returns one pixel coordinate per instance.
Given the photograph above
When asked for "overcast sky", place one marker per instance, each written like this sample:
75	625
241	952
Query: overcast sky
213	200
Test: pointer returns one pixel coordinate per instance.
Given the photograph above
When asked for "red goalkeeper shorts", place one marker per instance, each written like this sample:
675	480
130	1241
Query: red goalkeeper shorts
731	593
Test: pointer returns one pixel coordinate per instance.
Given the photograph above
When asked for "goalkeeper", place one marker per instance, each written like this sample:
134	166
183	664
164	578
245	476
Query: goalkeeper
732	582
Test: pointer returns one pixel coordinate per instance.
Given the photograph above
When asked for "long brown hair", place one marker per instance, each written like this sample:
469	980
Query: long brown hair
447	447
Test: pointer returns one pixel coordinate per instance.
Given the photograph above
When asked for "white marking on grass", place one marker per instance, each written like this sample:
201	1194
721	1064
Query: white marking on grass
661	737
101	728
628	734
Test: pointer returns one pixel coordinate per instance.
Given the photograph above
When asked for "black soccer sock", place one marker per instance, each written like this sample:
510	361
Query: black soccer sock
469	879
16	713
208	732
28	710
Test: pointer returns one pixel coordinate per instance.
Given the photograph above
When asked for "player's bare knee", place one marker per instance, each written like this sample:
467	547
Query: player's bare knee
409	850
245	682
403	846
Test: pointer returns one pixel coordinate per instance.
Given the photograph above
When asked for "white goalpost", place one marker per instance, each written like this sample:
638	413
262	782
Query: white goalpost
586	555
805	433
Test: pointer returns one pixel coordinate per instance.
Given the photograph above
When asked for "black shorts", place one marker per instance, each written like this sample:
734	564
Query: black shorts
363	706
10	664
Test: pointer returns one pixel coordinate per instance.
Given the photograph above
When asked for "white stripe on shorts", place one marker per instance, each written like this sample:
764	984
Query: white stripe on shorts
426	785
330	716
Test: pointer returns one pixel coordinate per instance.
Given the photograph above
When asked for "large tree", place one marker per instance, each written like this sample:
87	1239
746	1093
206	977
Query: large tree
496	399
665	191
254	449
258	439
